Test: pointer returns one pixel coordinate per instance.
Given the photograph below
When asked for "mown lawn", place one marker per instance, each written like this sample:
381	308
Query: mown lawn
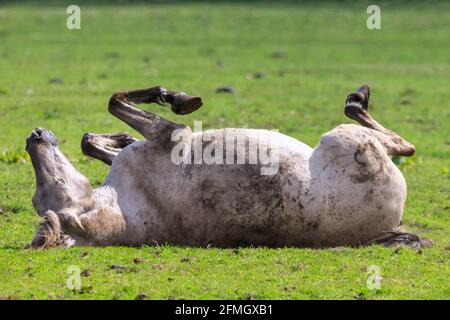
292	66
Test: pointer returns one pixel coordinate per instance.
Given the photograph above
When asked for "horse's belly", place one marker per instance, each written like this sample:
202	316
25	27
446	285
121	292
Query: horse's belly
220	204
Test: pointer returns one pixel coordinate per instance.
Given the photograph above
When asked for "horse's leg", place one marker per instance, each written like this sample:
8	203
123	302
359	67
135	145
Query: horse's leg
100	226
123	106
105	147
401	238
356	108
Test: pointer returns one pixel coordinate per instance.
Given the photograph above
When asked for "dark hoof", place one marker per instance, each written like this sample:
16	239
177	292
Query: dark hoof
359	98
184	104
365	90
121	140
397	238
117	140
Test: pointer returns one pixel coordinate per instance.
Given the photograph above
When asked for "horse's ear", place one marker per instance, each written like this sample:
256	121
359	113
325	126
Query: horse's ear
48	233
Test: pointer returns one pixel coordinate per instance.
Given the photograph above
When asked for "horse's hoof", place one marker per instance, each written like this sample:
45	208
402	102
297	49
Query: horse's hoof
184	104
359	98
399	238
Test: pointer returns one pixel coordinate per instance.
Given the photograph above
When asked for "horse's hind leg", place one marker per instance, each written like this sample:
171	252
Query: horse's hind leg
356	108
123	106
105	147
401	238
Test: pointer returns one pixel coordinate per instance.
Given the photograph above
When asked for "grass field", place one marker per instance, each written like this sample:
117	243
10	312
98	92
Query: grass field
292	66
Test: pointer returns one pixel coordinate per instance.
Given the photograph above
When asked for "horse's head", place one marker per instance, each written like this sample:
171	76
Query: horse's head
58	184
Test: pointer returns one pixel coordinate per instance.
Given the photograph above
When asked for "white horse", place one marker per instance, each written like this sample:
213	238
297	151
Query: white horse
345	191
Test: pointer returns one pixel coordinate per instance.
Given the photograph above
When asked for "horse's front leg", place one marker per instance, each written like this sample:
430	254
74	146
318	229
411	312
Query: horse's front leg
105	147
123	106
100	226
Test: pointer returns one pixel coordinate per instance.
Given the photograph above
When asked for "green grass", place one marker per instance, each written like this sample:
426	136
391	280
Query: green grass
326	51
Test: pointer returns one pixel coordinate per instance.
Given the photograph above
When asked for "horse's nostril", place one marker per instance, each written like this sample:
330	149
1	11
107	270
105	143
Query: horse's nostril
37	134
